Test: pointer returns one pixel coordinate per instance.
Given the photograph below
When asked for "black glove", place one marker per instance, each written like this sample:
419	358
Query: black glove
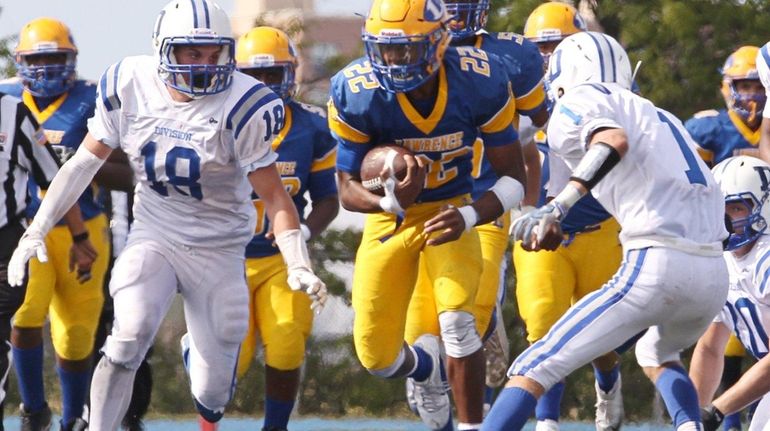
711	418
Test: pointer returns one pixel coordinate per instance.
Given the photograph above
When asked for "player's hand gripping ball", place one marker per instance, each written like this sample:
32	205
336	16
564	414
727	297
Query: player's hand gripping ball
393	168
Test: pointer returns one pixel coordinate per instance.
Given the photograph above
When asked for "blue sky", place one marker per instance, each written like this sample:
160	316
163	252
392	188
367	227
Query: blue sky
105	31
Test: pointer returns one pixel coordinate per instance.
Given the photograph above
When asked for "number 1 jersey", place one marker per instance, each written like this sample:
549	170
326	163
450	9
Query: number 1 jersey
190	159
660	189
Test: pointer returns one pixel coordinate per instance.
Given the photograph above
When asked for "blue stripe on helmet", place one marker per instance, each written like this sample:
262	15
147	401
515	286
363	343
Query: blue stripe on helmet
601	56
206	13
195	14
612	59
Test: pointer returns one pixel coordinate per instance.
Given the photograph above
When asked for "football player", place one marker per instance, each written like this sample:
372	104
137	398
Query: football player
735	130
281	318
673	279
731	132
548	282
413	90
46	59
198	138
744	182
525	69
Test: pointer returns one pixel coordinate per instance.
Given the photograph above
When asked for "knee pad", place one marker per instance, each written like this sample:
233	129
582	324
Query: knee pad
75	343
123	352
230	317
458	332
391	371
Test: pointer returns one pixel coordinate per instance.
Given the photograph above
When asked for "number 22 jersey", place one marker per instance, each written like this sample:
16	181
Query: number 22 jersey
474	100
190	159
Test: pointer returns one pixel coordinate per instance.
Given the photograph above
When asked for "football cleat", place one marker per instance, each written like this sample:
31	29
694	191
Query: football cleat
609	408
35	421
75	424
431	396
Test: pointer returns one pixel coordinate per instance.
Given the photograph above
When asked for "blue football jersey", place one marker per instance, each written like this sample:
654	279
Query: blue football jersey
64	120
719	134
306	158
525	70
474	101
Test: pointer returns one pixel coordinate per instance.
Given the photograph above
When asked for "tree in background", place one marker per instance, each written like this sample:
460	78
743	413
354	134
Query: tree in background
682	43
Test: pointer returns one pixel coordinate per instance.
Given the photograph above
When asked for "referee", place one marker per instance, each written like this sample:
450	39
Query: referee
24	151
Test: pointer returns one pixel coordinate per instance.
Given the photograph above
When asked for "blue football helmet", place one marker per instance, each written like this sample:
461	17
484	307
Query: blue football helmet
468	17
745	180
194	22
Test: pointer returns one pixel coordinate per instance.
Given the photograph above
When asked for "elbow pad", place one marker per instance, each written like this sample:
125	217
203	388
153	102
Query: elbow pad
597	162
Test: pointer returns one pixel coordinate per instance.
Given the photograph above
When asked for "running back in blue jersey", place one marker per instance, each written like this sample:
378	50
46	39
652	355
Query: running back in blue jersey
64	119
469	105
306	158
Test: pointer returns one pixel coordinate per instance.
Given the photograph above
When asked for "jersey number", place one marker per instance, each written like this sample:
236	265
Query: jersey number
177	153
473	59
360	77
292	185
273	128
746	310
438	172
694	174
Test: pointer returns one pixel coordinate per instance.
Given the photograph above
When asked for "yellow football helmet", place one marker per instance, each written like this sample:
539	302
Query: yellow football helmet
405	41
742	65
553	21
46	77
268	48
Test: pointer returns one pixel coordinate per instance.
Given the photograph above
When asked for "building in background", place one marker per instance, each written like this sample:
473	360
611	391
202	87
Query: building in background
325	43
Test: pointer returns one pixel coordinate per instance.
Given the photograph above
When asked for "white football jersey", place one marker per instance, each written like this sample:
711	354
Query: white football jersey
763	68
747	311
190	159
660	192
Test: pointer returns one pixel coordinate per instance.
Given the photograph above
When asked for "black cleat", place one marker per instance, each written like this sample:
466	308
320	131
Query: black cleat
35	421
77	424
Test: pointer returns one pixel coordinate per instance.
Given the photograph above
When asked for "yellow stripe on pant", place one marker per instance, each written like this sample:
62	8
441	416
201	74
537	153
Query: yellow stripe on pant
75	308
386	271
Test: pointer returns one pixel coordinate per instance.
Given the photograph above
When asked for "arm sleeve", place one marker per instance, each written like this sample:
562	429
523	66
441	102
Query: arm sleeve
35	155
105	124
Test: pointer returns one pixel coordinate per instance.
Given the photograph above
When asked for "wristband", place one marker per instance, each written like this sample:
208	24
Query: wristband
80	237
470	216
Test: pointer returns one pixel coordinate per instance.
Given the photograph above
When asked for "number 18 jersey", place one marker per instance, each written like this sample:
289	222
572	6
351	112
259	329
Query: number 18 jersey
190	159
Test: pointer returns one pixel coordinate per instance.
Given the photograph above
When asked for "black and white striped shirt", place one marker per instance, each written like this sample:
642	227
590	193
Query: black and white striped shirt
24	151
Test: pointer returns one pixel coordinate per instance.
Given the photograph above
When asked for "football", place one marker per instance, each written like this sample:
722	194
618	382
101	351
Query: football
374	164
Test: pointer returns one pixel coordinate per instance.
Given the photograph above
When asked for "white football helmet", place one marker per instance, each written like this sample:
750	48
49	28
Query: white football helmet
746	180
194	22
584	57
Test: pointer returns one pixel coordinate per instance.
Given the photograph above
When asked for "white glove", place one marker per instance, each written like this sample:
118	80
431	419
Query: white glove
537	222
32	243
305	280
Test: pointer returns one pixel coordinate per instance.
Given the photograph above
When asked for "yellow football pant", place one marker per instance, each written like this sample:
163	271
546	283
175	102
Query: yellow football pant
75	308
281	317
386	271
422	317
549	282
